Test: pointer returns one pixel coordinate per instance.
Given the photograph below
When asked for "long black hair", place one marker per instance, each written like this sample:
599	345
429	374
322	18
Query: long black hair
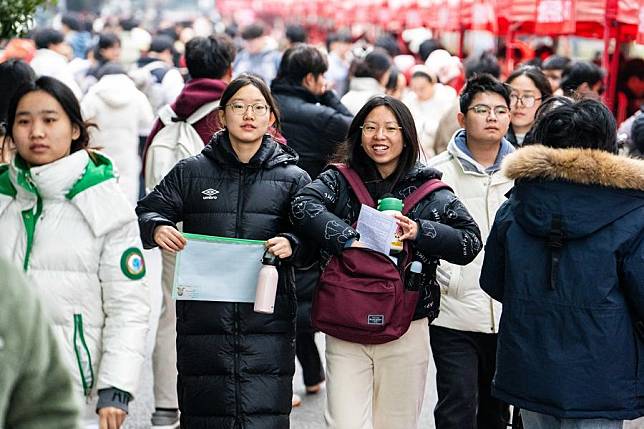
64	96
352	153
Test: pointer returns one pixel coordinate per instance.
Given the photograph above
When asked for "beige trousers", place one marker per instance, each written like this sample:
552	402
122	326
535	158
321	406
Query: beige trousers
377	386
164	357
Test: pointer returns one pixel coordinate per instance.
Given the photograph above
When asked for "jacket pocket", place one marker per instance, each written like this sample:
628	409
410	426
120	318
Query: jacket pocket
83	356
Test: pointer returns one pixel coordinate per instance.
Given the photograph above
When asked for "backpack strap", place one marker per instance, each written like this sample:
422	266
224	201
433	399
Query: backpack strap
422	191
201	112
167	115
356	184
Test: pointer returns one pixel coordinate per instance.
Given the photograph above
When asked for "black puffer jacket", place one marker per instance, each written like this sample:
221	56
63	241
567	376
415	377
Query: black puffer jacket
235	365
325	210
313	126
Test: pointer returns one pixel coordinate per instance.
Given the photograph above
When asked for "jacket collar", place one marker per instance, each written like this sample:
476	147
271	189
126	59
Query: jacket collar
457	147
282	87
582	166
53	180
366	84
269	154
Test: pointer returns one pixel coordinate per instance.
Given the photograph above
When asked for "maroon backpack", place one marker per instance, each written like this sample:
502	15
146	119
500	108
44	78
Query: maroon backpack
361	296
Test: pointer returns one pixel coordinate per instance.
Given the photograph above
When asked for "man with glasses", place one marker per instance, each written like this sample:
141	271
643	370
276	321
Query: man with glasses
463	337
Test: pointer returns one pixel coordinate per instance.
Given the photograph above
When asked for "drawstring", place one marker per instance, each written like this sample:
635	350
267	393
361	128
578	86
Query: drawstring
555	243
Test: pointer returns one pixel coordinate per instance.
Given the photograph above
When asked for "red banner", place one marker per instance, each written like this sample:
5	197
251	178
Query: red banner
555	17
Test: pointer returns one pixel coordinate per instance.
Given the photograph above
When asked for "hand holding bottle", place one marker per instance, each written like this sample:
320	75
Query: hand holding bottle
408	228
280	247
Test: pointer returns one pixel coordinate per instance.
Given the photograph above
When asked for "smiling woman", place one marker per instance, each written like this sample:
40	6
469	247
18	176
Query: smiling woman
382	148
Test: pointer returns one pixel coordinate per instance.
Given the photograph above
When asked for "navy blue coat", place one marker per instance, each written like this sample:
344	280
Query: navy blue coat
566	258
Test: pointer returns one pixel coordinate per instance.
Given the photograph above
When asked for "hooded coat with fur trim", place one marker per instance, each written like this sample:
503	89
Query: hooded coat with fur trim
566	258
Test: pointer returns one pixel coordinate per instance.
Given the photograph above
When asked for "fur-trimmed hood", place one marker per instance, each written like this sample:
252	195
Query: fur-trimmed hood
588	188
583	166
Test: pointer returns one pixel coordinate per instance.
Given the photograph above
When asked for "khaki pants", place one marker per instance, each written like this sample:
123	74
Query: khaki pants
164	357
377	386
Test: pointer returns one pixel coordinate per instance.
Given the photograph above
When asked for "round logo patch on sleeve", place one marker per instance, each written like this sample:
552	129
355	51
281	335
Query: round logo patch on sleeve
132	264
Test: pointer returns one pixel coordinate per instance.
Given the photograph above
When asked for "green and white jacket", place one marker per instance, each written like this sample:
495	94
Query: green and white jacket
71	229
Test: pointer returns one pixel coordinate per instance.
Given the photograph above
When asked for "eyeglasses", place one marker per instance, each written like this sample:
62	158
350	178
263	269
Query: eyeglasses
483	110
369	130
526	100
258	109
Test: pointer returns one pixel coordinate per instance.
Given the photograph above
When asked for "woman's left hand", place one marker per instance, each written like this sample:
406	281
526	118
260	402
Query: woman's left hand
280	247
408	228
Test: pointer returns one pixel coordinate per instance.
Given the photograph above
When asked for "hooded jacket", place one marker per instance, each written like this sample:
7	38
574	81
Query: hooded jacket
235	366
361	89
119	110
464	306
566	259
73	232
313	126
324	211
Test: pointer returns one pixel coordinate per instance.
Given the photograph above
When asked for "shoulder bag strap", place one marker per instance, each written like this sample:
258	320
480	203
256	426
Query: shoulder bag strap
356	184
422	191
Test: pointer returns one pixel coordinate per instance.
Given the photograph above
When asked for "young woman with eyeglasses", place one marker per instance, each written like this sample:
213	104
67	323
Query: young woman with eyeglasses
235	366
382	386
530	88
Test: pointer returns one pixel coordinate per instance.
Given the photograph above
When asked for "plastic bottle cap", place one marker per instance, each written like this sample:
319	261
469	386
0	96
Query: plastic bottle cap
390	204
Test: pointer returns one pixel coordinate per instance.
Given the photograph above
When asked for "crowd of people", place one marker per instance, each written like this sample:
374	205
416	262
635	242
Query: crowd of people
116	139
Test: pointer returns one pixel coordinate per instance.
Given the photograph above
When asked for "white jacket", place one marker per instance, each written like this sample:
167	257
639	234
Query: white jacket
427	114
72	230
361	89
119	110
49	63
464	305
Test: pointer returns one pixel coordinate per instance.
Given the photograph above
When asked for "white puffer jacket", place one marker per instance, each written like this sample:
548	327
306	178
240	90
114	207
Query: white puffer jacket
70	227
464	305
119	110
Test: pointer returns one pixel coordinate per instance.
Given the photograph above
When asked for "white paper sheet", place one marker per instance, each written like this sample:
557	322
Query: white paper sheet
209	269
377	230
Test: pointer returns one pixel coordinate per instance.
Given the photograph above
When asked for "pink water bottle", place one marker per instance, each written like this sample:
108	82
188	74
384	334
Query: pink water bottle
266	285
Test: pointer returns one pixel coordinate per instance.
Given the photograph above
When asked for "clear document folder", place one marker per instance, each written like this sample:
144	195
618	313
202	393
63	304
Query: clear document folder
217	269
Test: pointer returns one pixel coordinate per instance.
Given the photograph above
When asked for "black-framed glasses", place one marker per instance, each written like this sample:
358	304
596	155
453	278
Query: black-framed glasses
259	109
484	110
390	130
526	100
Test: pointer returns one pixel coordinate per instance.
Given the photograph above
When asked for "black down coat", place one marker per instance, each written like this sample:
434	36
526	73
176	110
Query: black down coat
325	210
235	366
313	126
